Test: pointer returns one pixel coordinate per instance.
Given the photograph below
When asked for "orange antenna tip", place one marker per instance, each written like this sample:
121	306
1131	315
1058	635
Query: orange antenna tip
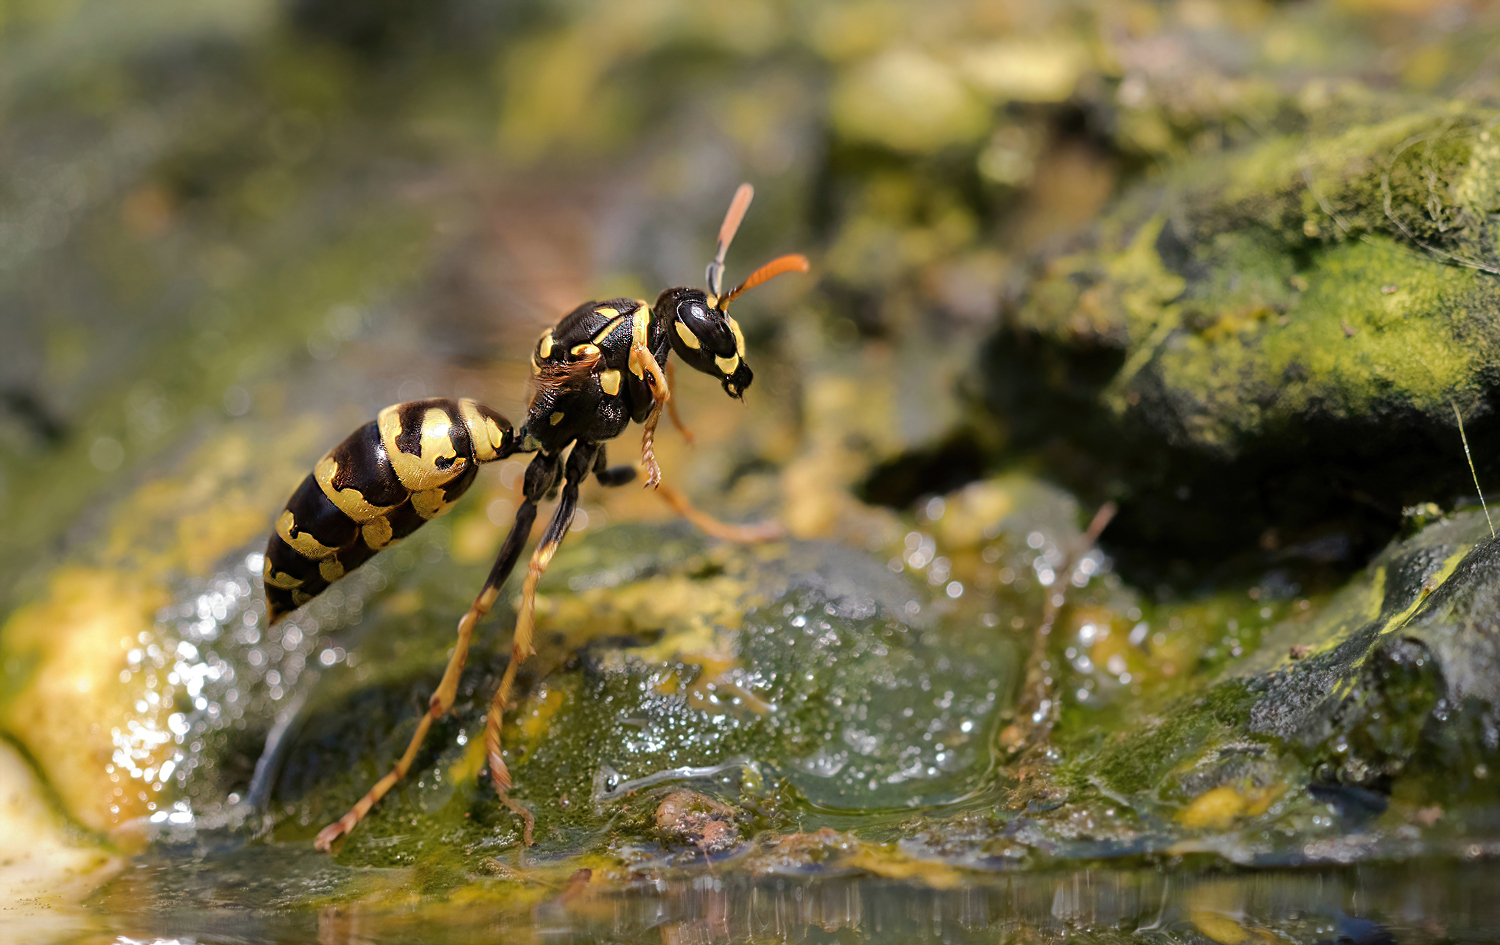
794	262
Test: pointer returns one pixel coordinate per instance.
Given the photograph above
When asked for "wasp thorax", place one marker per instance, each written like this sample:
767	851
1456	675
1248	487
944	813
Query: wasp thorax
707	339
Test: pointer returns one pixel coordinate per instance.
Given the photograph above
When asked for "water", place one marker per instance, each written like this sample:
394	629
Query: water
242	894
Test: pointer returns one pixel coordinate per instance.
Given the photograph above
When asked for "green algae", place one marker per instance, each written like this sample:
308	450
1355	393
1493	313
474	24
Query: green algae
1299	281
1262	345
1249	300
1300	740
775	712
1352	346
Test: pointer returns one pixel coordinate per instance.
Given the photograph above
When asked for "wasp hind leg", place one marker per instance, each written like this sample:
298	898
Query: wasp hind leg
540	476
581	463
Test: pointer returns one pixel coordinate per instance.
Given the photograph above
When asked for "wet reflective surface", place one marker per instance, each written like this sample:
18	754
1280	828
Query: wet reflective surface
236	229
1435	902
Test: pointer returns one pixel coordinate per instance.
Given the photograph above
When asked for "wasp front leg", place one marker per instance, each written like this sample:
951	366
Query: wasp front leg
644	365
741	534
541	476
581	463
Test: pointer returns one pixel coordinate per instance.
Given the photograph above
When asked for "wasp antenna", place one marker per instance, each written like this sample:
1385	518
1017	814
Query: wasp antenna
731	225
795	262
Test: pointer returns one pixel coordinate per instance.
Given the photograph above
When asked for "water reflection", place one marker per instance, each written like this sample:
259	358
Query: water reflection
1418	903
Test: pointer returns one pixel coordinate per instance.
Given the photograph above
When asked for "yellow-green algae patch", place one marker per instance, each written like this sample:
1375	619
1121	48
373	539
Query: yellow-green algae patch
1378	323
47	867
78	689
1335	276
1325	705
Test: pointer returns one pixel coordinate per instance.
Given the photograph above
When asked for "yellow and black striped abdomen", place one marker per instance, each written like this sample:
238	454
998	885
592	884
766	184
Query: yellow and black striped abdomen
407	466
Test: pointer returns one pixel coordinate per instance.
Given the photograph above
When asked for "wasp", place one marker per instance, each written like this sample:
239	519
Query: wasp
602	368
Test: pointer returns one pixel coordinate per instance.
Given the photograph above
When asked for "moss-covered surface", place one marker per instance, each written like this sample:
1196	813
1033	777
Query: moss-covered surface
1240	257
1353	729
791	680
1274	343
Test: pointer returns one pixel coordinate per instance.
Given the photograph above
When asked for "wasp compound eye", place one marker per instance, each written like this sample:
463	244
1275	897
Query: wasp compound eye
708	327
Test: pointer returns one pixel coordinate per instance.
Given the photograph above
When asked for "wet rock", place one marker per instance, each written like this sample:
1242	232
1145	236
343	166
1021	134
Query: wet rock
699	820
140	659
821	851
1414	695
1270	344
798	670
1340	754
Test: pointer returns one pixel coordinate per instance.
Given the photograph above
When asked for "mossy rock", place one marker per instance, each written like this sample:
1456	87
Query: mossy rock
1366	729
1272	343
790	681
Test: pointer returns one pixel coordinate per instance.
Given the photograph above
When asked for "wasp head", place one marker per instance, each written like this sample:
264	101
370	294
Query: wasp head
707	338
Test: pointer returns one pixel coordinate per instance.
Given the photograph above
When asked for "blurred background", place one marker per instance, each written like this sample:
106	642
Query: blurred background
1186	257
245	211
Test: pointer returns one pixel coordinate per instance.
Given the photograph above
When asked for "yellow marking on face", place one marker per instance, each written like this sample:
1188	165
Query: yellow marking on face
377	534
608	329
349	501
281	579
556	418
544	347
331	569
420	473
687	336
304	544
610	382
739	336
430	504
585	350
535	368
728	365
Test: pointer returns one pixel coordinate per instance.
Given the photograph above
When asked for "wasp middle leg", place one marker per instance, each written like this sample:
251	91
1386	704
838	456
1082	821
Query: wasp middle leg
580	465
541	476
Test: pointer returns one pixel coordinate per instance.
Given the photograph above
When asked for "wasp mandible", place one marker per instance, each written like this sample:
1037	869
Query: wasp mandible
601	368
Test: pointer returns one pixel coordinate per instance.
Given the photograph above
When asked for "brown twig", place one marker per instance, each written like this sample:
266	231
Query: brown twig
1038	708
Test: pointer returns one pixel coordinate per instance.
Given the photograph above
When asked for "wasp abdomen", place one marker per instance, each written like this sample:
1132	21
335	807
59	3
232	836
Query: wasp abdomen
379	485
